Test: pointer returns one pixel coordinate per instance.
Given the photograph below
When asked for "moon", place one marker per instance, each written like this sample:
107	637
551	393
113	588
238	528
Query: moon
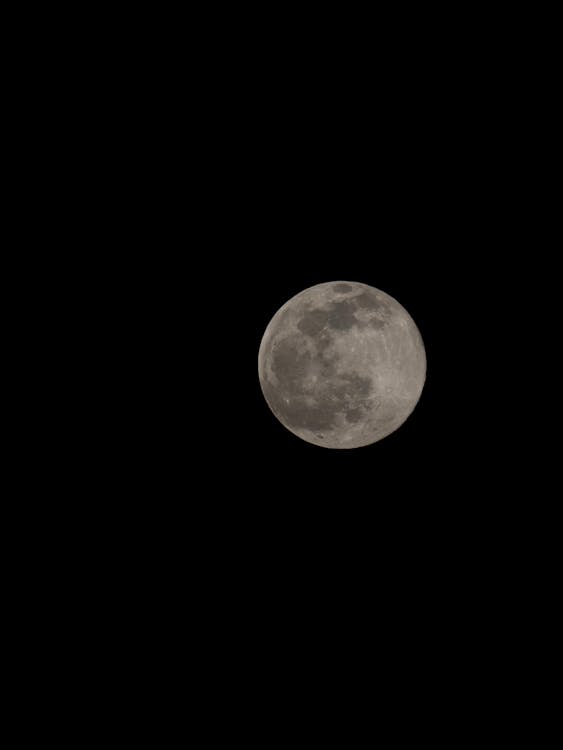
342	364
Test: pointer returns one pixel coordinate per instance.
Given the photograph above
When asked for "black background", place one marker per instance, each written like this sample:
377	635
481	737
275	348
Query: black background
201	172
276	173
241	175
276	524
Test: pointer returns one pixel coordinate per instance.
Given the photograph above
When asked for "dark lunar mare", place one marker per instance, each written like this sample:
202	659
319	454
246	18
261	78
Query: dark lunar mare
341	315
291	366
370	302
343	288
338	316
334	393
313	322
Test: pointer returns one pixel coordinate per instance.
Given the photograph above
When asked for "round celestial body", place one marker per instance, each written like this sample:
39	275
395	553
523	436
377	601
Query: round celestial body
342	364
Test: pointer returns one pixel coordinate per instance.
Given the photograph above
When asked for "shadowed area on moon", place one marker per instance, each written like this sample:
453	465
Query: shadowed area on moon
309	381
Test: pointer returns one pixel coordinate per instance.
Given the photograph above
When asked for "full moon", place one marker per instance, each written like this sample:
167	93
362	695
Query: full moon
342	364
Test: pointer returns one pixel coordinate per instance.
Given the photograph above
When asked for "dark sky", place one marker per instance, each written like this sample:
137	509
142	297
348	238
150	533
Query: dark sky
267	177
217	168
291	189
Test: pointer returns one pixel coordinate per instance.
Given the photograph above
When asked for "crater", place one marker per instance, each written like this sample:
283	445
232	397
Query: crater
343	288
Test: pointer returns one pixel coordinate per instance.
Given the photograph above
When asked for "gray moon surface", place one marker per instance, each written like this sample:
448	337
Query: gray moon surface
342	364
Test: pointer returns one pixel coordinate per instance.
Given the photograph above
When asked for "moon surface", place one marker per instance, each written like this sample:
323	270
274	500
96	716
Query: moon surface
342	364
